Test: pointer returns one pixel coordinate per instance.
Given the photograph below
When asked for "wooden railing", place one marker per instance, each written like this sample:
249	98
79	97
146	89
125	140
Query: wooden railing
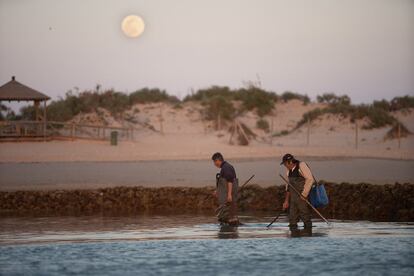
53	129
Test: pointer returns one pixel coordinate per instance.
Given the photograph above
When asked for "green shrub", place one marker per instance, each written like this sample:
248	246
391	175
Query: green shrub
115	102
331	98
288	96
399	103
282	133
6	113
256	98
263	124
377	117
153	95
251	98
219	105
208	93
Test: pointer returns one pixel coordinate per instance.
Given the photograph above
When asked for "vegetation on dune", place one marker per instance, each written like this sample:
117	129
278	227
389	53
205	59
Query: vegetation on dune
263	124
378	113
154	95
221	103
332	99
251	98
115	102
288	96
218	106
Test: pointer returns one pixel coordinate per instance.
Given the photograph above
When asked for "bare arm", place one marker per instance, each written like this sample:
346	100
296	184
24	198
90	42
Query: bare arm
307	174
286	202
229	191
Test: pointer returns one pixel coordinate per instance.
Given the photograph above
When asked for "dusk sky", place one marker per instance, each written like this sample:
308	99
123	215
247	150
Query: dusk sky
363	48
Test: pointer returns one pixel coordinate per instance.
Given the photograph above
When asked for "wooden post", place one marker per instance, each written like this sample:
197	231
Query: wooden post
232	133
36	106
219	121
72	132
399	135
243	133
356	134
161	119
44	121
131	133
271	130
308	133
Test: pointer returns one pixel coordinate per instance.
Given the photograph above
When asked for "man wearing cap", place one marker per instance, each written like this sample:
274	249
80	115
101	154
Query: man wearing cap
301	178
226	191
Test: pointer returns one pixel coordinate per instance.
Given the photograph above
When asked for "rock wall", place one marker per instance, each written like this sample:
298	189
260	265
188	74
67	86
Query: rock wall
347	201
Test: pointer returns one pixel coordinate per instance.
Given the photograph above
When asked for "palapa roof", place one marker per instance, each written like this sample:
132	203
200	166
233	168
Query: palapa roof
15	91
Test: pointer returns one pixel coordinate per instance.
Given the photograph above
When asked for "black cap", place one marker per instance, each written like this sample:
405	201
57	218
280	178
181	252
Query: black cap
217	156
287	157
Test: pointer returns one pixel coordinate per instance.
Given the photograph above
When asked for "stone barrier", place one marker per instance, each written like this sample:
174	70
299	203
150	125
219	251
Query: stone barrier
347	201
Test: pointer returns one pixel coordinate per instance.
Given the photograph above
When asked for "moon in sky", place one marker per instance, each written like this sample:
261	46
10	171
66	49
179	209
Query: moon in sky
133	26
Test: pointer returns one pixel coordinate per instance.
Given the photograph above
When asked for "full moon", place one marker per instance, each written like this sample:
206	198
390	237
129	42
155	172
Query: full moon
133	26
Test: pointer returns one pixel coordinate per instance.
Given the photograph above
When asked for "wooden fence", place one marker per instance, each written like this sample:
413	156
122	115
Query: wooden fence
61	130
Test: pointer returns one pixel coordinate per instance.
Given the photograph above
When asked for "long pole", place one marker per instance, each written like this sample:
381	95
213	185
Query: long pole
296	191
245	183
273	221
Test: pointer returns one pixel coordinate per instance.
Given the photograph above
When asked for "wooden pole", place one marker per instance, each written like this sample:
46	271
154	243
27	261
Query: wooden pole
72	132
232	133
44	121
243	133
399	135
271	130
308	133
36	106
356	134
219	121
161	119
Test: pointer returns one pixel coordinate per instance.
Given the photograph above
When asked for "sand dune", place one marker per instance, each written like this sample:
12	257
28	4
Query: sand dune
186	136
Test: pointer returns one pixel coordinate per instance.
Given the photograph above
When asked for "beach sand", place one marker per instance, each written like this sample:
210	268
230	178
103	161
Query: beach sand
187	137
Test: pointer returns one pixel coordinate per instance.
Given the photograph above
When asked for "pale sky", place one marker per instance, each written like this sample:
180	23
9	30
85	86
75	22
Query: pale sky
364	48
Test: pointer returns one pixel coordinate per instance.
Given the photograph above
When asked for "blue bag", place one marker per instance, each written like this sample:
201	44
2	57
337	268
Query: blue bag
318	196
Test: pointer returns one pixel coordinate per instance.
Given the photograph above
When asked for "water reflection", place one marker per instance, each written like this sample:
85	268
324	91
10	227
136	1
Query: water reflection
228	232
28	230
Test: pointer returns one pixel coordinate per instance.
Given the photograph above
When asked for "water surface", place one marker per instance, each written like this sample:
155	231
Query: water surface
195	245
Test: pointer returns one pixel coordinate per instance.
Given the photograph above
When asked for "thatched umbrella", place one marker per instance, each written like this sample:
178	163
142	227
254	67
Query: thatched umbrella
15	91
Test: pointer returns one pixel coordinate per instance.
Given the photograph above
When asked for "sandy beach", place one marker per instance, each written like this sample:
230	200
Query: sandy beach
187	137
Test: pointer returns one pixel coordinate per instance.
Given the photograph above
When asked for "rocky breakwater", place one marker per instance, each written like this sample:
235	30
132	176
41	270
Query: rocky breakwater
347	201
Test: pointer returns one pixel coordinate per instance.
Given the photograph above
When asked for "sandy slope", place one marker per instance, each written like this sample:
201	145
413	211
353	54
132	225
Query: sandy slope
187	136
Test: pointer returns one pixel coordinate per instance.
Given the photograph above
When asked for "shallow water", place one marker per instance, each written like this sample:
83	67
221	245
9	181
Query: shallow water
189	245
58	175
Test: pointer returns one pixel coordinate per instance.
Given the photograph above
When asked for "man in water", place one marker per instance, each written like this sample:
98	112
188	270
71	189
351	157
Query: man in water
226	191
301	178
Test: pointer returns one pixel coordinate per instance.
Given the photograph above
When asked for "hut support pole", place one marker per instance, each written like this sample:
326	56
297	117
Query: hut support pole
36	106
